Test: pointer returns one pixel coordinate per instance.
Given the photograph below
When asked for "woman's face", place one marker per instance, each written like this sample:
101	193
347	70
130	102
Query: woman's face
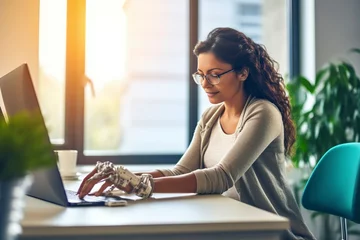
230	83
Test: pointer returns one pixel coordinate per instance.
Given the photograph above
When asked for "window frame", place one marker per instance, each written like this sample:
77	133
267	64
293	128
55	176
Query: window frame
293	9
74	69
76	82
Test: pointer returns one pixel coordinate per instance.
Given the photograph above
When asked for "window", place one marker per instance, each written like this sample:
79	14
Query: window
249	9
249	25
52	50
265	22
115	76
136	56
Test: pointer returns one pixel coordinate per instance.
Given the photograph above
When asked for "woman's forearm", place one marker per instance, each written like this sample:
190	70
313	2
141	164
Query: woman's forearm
185	183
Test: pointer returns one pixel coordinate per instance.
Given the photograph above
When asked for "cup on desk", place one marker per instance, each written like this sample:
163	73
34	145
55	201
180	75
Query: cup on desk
67	162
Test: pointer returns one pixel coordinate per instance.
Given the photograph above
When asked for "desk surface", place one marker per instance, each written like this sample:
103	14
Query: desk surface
165	214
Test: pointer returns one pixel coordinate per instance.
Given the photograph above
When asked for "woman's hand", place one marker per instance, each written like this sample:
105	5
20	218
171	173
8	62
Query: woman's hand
91	180
116	176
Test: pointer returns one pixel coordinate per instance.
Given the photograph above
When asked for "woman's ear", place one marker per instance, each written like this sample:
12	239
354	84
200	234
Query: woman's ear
243	74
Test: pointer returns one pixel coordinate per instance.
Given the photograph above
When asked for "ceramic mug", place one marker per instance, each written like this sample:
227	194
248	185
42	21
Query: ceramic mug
67	160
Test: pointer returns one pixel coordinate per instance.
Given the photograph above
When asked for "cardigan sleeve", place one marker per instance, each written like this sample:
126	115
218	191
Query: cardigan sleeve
262	124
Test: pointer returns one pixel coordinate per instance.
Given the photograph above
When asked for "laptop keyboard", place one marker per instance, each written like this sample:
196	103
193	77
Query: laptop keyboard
73	197
71	194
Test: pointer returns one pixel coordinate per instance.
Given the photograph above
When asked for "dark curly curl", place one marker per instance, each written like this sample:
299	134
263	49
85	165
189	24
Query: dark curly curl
264	81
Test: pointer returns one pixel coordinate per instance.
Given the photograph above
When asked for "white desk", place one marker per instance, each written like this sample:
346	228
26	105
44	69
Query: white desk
168	216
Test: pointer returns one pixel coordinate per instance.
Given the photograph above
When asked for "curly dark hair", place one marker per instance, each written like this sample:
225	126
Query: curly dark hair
264	81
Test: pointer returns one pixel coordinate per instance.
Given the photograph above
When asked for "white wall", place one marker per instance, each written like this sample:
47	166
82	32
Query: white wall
337	29
19	35
329	29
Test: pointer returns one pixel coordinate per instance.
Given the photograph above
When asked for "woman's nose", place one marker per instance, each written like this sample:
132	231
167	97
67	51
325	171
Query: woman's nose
205	83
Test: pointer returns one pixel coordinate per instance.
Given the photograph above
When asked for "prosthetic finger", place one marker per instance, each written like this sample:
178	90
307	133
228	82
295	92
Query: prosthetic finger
103	187
87	188
90	182
85	179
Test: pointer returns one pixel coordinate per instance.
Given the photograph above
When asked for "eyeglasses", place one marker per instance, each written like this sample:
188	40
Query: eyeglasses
213	79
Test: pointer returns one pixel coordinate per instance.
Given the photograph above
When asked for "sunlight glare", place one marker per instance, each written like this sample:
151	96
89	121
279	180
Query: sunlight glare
52	38
105	41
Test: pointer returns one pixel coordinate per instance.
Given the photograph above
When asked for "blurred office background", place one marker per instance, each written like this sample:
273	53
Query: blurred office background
137	55
114	77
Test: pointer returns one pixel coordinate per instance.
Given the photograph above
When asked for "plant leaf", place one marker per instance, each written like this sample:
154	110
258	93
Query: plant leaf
320	75
326	112
355	50
24	146
306	83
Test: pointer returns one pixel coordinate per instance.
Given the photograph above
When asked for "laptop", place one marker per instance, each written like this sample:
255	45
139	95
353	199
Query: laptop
17	94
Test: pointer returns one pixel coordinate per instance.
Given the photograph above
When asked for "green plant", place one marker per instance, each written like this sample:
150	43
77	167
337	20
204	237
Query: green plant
23	146
326	111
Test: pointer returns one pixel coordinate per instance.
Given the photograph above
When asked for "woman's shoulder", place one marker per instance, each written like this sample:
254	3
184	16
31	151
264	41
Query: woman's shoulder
262	108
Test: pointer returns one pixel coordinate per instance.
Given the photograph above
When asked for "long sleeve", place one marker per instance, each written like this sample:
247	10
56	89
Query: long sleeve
262	124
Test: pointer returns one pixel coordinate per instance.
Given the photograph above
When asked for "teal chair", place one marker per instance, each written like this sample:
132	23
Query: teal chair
334	185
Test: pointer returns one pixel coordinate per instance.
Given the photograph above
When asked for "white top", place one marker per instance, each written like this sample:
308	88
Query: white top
219	145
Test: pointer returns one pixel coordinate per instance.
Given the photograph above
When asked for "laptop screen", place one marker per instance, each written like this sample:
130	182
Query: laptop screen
18	95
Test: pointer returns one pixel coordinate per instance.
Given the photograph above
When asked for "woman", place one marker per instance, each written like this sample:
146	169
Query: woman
240	143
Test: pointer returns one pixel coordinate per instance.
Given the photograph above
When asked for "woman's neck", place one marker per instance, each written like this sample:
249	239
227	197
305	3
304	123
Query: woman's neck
234	107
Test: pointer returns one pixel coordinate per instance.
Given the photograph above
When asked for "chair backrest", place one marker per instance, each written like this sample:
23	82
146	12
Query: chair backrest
334	185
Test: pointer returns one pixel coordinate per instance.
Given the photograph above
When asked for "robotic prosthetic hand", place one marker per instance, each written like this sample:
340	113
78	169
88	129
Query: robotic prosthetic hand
121	177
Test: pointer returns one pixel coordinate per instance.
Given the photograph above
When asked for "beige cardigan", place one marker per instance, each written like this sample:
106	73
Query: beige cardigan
255	164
